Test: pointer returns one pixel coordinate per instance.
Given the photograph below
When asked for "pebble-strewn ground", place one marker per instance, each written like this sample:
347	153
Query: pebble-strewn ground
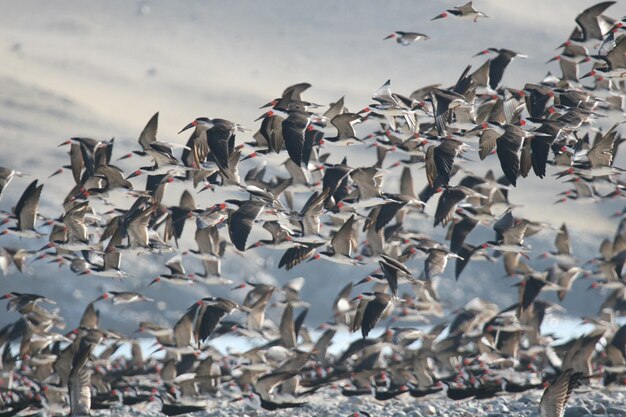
332	403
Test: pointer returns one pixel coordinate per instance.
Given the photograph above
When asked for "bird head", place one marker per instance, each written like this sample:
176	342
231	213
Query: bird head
591	73
202	122
441	15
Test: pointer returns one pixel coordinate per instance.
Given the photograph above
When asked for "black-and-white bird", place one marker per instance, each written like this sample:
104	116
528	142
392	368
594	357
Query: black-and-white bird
26	212
372	307
465	11
407	38
498	64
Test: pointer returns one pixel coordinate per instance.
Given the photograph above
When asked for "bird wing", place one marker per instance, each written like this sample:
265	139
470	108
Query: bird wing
383	95
26	208
444	155
212	316
431	166
76	162
296	254
447	204
566	279
406	184
240	222
74	220
540	150
588	20
368	181
293	128
465	251
529	290
342	240
386	212
562	241
460	231
335	109
391	275
526	162
175	265
555	396
442	100
293	92
515	234
487	142
357	320
19	259
218	139
287	329
466	8
343	123
148	134
273	130
183	329
79	380
481	75
90	317
601	154
617	56
508	150
312	211
435	263
496	69
373	312
569	70
186	201
138	228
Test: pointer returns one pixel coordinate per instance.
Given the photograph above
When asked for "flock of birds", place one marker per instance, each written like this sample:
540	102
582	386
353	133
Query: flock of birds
479	351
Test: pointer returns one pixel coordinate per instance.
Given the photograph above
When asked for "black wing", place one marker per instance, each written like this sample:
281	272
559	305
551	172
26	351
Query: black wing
218	138
447	204
26	209
240	222
373	311
509	149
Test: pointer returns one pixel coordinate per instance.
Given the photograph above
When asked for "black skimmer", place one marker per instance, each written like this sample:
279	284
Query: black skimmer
407	38
465	11
372	307
26	212
498	64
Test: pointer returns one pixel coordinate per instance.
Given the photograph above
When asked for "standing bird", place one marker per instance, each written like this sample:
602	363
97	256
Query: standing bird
407	38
